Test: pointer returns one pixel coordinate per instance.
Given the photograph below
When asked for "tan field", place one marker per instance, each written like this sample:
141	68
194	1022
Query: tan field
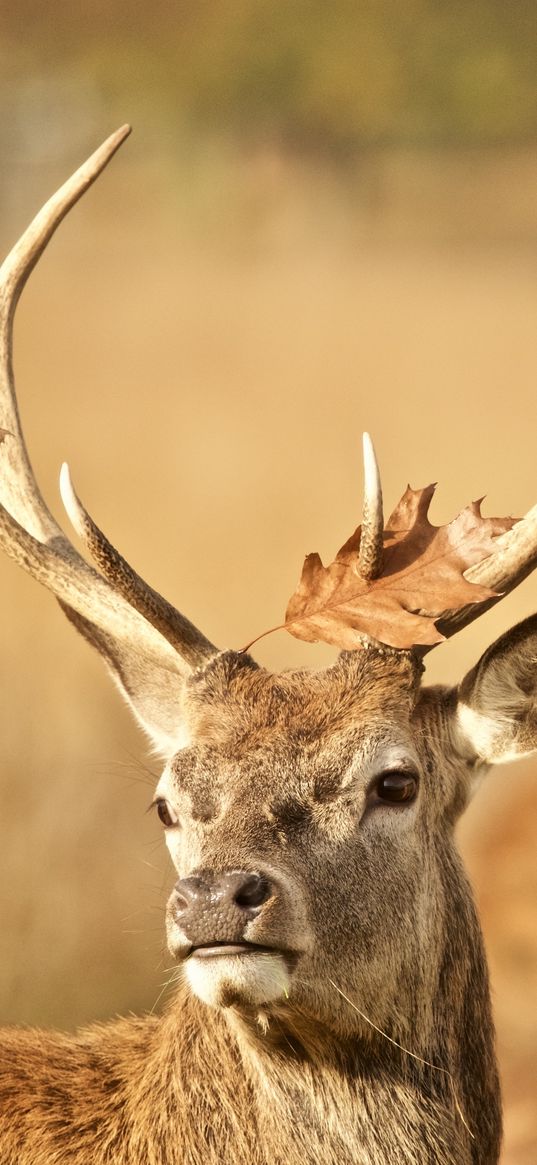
204	343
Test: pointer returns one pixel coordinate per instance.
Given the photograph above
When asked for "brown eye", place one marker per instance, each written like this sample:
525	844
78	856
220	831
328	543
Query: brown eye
166	815
396	787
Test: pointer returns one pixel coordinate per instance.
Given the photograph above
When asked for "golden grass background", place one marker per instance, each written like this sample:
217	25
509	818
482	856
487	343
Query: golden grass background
204	342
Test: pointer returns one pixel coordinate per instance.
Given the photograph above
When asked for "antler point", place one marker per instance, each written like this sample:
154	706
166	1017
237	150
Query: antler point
69	498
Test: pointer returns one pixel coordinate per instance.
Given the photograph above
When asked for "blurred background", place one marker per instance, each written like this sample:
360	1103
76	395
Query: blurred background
326	221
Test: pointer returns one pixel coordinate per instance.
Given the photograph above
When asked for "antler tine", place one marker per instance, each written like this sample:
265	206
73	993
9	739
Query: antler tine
178	630
119	628
19	491
372	535
514	558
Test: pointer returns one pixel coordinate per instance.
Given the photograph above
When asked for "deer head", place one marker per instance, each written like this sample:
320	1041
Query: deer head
309	816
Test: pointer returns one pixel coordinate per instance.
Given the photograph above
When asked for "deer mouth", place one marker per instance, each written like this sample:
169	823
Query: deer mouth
236	974
218	949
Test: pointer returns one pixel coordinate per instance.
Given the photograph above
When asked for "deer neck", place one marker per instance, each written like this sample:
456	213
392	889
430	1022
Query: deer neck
319	1098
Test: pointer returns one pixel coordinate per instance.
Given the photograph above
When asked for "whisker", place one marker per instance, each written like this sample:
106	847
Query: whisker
420	1059
150	865
141	930
169	982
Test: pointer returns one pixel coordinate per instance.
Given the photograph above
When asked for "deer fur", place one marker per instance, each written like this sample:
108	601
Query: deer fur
332	1001
373	898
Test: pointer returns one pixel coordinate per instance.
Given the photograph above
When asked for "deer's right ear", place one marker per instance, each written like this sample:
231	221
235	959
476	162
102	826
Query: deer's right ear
496	713
150	676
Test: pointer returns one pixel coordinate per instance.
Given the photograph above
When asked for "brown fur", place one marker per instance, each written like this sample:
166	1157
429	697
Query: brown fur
370	902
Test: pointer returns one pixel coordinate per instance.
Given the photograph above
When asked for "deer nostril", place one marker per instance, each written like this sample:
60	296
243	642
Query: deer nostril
253	891
188	892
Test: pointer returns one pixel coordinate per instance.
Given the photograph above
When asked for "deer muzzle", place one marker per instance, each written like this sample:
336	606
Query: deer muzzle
231	931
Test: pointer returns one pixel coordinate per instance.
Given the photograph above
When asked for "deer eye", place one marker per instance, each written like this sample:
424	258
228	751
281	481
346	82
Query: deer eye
166	814
396	787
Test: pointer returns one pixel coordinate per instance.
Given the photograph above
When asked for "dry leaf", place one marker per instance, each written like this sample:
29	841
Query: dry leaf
422	576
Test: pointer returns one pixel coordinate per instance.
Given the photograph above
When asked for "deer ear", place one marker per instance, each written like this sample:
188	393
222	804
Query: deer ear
496	712
150	676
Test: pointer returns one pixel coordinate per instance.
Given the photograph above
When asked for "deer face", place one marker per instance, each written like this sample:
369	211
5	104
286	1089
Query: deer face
297	820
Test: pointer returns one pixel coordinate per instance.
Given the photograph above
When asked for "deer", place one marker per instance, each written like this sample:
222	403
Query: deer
332	1001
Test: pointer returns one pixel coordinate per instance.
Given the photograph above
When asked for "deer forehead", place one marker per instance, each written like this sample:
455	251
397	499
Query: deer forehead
298	734
234	705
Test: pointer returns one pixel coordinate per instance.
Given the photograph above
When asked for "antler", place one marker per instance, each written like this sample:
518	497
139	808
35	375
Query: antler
514	558
372	535
19	491
132	642
182	634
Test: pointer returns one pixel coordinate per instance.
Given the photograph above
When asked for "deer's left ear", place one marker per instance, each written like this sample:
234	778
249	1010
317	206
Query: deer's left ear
495	718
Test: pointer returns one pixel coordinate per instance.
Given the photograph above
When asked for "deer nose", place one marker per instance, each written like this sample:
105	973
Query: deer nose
237	891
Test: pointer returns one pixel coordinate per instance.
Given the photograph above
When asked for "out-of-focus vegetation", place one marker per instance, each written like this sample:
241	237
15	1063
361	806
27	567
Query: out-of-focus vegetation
334	77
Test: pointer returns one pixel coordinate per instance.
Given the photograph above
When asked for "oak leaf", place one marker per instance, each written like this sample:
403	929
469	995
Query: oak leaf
422	577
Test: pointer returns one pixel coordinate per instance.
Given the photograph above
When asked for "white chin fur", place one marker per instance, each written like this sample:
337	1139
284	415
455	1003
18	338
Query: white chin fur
227	980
